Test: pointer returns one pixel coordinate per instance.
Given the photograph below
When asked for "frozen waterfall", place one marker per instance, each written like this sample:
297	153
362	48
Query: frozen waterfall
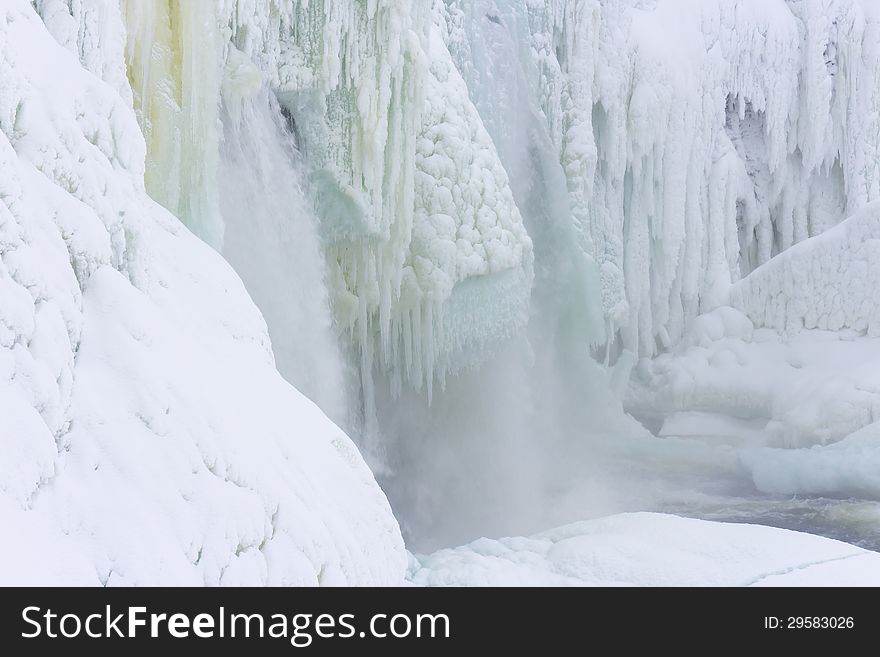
479	230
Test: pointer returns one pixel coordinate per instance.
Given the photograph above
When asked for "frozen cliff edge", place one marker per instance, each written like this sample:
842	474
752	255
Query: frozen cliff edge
146	436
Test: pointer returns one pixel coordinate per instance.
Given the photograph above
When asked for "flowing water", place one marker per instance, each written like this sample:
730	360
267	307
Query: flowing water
704	480
271	239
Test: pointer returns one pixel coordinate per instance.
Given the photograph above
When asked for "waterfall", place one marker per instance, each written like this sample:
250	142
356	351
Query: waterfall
475	370
271	239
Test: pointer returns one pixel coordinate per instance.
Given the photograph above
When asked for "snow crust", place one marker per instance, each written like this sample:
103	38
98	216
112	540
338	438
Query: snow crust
146	436
647	549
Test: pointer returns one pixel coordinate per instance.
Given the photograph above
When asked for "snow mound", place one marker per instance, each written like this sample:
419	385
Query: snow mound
646	549
813	388
146	436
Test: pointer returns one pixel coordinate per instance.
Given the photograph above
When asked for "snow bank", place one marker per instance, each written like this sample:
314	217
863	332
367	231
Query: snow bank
141	415
798	349
644	549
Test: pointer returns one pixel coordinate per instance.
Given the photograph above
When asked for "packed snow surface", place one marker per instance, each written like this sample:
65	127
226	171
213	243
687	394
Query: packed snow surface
647	549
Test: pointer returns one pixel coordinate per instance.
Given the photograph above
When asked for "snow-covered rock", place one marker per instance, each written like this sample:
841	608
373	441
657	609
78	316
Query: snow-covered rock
145	434
645	549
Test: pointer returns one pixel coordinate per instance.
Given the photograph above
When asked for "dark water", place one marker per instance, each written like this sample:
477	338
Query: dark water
705	481
852	520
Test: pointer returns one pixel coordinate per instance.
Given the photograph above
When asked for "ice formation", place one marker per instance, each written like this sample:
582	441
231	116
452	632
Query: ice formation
705	137
690	143
146	435
411	195
829	282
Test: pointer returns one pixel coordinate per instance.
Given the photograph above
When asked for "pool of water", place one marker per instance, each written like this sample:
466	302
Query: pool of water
703	480
852	520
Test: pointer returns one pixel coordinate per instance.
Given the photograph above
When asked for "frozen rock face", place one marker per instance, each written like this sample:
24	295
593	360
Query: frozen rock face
147	437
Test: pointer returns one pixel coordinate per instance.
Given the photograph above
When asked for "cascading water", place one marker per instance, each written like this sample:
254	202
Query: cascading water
271	239
502	448
223	157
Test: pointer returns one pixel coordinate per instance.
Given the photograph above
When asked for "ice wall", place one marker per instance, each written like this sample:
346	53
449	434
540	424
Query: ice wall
411	195
413	198
699	139
174	54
